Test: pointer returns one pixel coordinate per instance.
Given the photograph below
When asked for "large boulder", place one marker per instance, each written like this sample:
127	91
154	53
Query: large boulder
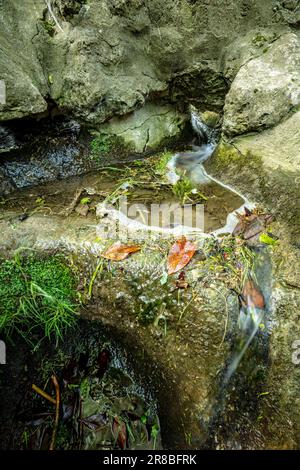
20	67
266	167
103	58
147	128
265	89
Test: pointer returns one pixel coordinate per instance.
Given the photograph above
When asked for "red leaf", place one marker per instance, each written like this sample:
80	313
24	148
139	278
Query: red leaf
180	255
253	295
118	252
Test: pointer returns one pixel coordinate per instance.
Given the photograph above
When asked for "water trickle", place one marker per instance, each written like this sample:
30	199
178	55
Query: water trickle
190	163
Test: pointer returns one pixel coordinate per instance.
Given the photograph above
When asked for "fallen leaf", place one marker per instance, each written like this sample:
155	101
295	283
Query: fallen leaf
94	422
120	432
181	284
118	252
180	255
252	295
251	225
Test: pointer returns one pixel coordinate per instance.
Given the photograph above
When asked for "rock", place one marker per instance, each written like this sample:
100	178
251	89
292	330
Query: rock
266	168
288	11
107	61
82	209
133	303
6	186
20	67
265	89
210	118
147	128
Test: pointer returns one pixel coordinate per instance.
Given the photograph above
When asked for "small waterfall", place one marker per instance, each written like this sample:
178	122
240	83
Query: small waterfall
191	164
250	319
207	135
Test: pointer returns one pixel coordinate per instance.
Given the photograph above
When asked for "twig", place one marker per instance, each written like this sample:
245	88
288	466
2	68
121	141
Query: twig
57	395
226	312
43	394
194	297
93	278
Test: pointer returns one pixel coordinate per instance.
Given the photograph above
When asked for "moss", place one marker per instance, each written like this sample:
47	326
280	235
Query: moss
227	155
103	145
259	40
49	26
37	296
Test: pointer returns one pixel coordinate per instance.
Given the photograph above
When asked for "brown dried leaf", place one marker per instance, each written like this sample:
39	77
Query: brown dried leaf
180	255
118	252
120	432
253	295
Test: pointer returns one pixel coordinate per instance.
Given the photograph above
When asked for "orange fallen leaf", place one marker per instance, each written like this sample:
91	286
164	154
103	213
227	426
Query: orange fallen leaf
253	295
118	252
180	255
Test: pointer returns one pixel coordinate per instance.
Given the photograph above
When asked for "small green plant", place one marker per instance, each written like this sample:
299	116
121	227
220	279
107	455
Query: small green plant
37	297
161	164
100	145
183	189
154	434
85	200
104	144
49	27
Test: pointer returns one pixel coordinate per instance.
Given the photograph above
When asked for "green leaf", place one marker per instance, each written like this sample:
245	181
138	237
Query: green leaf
154	430
85	200
40	200
144	419
267	240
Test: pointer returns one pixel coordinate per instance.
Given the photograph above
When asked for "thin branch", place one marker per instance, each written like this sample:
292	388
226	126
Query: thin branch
43	394
57	394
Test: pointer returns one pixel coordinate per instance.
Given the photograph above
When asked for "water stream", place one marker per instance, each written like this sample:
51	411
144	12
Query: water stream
251	317
220	217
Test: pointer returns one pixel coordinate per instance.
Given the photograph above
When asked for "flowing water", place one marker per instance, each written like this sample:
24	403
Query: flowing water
50	198
251	317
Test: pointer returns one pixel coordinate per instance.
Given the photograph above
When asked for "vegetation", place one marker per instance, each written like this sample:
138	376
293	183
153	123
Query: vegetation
104	144
185	190
37	298
161	164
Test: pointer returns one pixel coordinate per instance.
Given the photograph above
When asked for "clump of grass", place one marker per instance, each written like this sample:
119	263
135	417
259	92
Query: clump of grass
183	189
161	164
37	298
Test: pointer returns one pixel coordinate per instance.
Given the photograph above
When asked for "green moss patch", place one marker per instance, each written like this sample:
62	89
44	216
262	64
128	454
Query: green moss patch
103	145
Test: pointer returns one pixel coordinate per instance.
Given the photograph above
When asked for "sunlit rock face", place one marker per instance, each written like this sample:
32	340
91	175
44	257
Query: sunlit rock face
265	89
99	59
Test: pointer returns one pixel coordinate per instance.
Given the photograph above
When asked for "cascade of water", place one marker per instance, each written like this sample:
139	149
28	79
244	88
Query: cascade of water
250	317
